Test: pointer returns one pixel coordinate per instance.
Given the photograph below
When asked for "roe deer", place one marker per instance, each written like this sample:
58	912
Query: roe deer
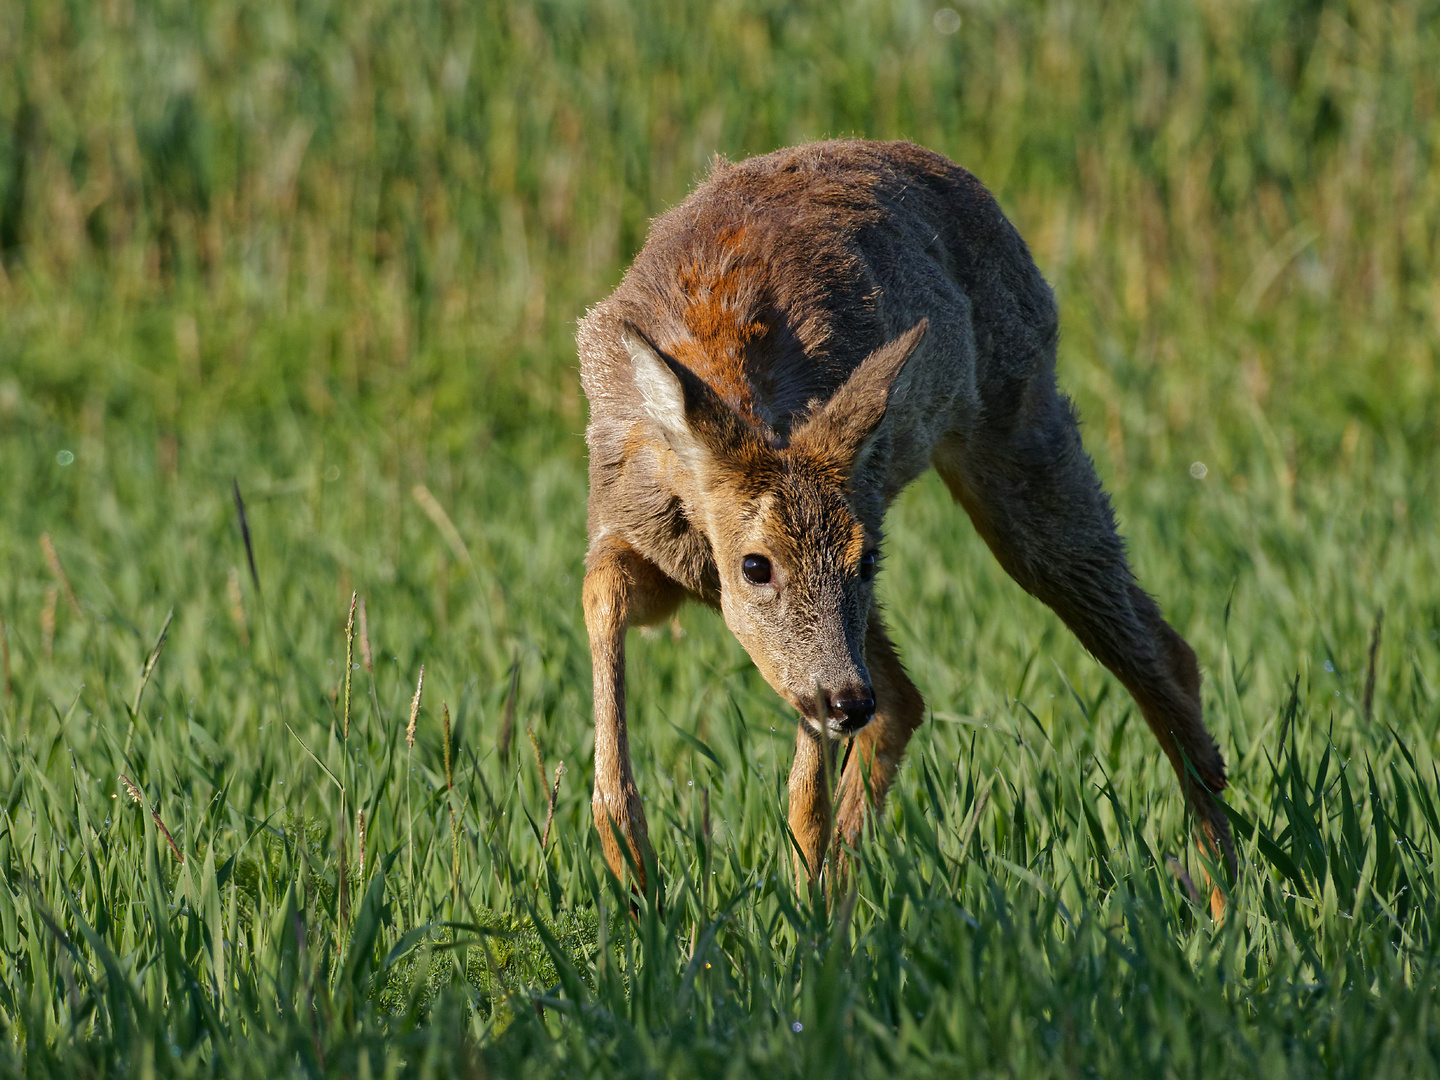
797	341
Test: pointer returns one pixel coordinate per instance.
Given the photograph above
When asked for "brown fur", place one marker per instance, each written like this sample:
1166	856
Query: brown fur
797	341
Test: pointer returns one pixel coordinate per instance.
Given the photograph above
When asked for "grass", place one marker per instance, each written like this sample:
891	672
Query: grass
332	256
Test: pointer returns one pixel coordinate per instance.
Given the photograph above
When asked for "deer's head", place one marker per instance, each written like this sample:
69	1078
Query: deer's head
795	529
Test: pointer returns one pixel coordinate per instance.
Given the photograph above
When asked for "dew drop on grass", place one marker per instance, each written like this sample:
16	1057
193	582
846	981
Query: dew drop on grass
1329	666
64	457
797	1027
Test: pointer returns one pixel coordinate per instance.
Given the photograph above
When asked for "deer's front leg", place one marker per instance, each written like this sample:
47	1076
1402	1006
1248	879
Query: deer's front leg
810	809
878	748
621	588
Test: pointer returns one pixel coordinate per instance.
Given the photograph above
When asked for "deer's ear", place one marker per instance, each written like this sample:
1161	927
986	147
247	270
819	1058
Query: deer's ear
659	387
841	429
696	423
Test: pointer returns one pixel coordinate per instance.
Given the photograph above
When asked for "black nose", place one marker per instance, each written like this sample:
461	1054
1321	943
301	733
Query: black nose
853	714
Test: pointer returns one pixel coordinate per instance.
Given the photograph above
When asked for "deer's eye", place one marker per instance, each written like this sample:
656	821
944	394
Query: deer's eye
756	569
867	566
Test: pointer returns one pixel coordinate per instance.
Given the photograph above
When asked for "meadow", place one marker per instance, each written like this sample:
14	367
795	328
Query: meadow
287	297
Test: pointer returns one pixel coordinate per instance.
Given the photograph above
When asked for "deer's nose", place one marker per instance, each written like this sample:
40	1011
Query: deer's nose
854	712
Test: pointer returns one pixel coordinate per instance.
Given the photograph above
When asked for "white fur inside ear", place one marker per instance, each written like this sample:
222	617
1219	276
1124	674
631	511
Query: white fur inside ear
658	386
663	396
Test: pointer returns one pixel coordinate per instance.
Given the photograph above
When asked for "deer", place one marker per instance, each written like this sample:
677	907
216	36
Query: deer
798	340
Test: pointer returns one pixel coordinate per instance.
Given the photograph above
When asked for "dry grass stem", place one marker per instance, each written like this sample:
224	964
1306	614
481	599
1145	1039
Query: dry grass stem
342	874
445	734
360	840
550	808
52	557
535	749
47	621
415	710
436	513
138	796
349	663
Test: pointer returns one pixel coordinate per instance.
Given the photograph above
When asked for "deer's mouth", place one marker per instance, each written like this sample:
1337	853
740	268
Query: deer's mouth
837	716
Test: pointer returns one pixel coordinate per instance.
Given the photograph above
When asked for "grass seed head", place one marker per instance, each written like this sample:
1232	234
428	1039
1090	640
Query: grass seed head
445	734
349	662
415	709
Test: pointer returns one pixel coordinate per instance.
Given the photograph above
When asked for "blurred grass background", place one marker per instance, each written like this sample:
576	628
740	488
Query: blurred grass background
219	207
336	251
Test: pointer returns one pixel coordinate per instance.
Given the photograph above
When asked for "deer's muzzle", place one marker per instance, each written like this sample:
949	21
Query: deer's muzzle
845	712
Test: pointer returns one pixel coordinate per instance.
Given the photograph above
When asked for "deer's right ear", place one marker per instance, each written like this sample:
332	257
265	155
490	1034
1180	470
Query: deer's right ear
696	423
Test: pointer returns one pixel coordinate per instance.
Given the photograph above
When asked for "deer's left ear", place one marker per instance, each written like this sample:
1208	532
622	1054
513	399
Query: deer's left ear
840	430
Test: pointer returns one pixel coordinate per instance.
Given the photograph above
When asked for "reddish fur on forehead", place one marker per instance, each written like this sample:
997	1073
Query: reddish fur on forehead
808	518
720	292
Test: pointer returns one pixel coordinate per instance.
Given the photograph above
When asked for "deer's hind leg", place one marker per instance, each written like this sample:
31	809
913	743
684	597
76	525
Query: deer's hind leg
621	589
1033	495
